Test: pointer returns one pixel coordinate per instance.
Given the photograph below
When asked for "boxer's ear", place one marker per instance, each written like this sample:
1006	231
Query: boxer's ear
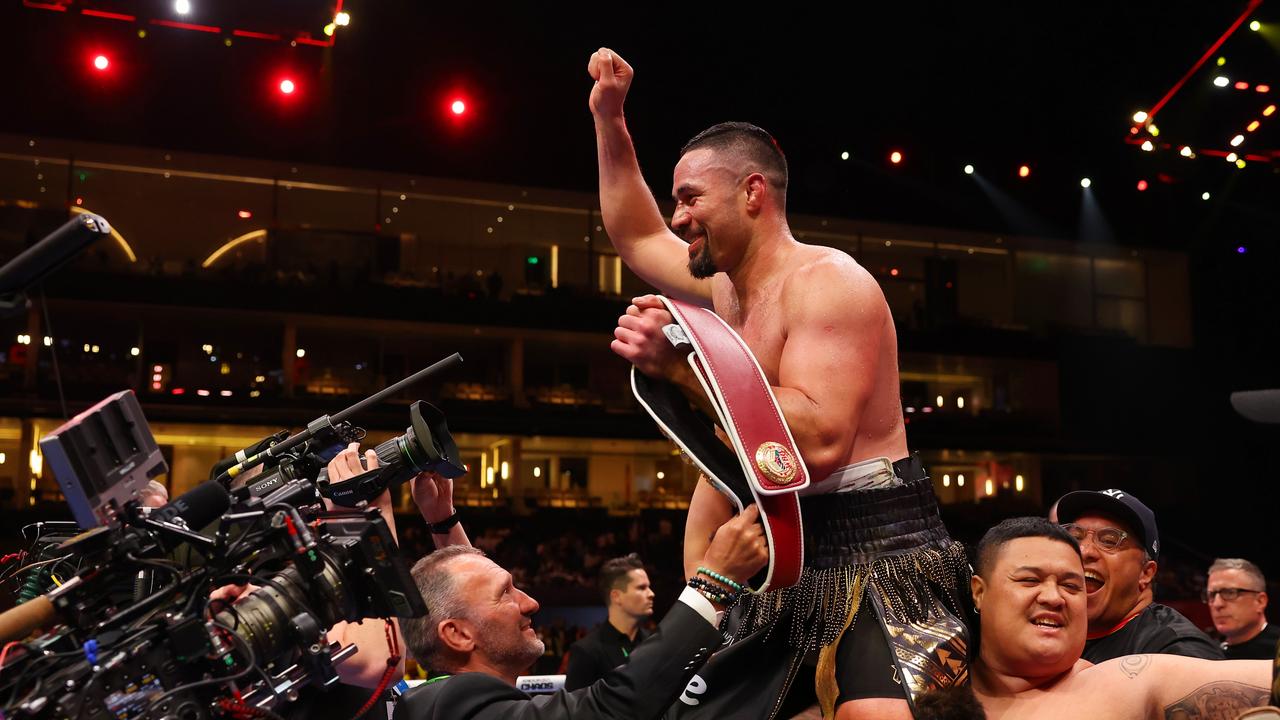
757	191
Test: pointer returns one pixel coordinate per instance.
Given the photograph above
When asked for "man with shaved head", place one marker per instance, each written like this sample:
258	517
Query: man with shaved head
1031	601
878	561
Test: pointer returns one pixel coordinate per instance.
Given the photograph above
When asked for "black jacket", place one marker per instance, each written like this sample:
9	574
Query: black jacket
599	652
643	689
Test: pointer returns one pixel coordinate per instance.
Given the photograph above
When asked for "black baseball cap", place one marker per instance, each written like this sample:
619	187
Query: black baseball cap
1119	504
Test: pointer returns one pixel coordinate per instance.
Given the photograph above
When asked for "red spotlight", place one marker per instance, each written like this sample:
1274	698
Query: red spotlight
101	62
1242	85
1024	171
895	157
894	272
287	87
1142	185
244	214
1262	88
458	106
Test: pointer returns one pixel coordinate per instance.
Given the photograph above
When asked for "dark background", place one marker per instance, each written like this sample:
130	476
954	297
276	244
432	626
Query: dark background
992	84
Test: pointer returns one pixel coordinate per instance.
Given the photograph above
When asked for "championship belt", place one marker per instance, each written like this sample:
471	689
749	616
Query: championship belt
764	466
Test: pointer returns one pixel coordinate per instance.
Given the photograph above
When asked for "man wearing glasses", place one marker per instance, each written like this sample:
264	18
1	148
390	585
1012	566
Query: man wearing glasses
1120	546
1237	598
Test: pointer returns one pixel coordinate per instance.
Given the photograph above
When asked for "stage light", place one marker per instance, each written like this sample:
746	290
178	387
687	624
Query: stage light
1253	126
1262	88
457	107
301	353
960	480
1140	116
101	62
990	487
939	400
1255	26
1221	81
1155	131
1221	61
135	352
1242	85
1148	146
328	29
1242	249
1235	141
1204	195
1268	110
893	272
342	18
844	155
968	169
946	481
287	87
1085	183
1018	483
1024	171
1185	151
1241	163
244	214
182	7
1142	186
1232	157
895	157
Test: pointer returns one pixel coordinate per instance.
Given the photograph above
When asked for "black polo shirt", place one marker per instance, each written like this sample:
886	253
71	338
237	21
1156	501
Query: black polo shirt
1157	629
599	652
1261	647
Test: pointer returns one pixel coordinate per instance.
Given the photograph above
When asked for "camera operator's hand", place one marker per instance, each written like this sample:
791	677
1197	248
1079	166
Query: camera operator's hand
346	465
232	593
433	494
738	549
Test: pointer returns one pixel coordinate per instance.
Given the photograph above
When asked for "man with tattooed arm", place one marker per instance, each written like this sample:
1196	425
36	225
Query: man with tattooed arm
1030	599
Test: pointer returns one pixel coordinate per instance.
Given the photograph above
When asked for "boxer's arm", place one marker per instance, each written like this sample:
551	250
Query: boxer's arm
631	216
835	319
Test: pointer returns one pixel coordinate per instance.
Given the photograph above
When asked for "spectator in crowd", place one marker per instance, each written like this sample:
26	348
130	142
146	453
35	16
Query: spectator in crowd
629	601
1029	593
1237	598
1120	545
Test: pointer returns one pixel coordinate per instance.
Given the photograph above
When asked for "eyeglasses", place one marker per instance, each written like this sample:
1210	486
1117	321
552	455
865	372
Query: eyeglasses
1107	538
1227	594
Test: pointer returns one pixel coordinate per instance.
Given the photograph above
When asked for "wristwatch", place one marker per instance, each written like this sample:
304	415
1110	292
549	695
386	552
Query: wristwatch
445	525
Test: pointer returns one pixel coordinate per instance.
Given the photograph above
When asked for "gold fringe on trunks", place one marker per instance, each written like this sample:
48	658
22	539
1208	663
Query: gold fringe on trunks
819	609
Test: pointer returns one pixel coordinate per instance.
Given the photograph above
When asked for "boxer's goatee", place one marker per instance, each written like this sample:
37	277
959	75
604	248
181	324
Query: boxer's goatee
701	266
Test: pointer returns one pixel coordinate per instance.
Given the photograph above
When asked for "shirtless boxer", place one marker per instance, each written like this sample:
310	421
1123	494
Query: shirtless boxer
1030	594
877	554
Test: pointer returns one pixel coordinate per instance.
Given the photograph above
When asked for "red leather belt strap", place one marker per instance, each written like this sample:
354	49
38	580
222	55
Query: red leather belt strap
749	414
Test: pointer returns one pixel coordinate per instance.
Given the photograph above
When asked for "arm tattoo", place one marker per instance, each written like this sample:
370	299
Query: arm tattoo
1217	701
1132	665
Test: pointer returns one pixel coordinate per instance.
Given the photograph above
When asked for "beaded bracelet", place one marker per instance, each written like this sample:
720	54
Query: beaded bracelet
719	578
713	592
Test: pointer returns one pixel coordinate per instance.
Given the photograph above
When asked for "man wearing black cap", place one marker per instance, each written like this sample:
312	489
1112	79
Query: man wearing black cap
1120	544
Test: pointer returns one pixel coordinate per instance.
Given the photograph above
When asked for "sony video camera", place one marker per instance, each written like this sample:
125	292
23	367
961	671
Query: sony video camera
127	627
